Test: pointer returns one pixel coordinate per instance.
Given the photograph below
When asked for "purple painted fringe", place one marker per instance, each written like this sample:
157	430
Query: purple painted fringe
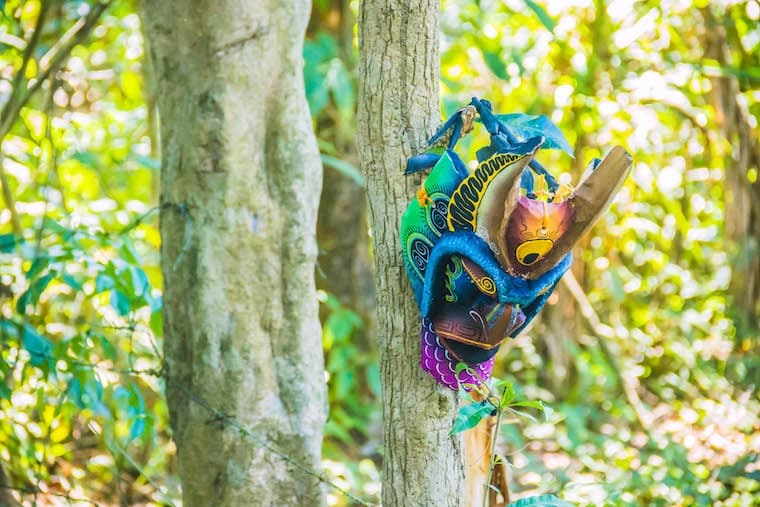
441	365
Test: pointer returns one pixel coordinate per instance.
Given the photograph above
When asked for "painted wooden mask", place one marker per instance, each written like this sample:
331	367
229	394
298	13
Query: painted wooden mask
485	249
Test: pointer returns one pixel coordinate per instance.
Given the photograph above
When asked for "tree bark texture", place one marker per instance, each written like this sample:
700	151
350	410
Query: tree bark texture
240	181
742	196
398	110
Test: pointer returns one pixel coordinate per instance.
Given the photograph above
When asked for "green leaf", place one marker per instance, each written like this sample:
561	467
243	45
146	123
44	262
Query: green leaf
155	303
38	266
8	328
532	125
462	388
109	351
548	412
468	416
148	162
344	381
315	56
104	282
138	427
157	322
23	302
87	158
541	501
86	391
7	243
120	302
616	284
33	293
495	63
335	430
537	404
139	280
121	395
344	168
507	392
128	252
540	12
522	414
136	412
341	324
74	392
373	379
342	89
71	281
38	346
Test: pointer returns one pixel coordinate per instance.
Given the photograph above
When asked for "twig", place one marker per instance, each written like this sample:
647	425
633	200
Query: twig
7	118
492	464
217	415
113	444
37	491
137	221
602	332
10	201
226	419
21	93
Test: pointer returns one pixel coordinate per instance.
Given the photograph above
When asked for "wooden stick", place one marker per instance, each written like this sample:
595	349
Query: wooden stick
478	460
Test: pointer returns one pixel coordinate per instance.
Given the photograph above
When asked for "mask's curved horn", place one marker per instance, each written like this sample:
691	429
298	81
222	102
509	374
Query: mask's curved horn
480	202
570	219
498	201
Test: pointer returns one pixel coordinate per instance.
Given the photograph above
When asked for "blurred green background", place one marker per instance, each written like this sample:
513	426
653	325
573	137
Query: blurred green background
650	364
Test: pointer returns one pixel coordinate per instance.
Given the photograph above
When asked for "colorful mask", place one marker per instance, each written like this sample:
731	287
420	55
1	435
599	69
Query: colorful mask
485	249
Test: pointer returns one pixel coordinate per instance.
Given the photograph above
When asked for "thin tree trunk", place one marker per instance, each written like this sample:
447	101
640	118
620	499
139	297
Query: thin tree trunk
240	185
742	196
398	110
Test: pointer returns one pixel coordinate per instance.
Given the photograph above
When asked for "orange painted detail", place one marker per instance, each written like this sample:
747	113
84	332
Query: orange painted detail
422	197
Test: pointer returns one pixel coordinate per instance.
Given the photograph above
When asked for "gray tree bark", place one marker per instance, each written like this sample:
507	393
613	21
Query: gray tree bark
398	110
240	180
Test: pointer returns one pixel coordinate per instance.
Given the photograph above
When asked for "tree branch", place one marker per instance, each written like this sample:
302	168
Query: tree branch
21	92
10	111
603	331
47	64
36	491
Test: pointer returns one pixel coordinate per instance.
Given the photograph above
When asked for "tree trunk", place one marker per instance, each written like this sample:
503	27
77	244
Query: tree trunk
742	195
240	185
398	110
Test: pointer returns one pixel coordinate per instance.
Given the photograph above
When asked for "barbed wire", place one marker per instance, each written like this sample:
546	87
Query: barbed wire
220	416
215	414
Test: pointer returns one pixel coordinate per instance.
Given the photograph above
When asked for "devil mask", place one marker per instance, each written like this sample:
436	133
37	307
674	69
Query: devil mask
485	249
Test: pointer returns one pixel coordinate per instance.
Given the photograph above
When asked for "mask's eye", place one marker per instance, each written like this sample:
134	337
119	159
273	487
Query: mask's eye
532	251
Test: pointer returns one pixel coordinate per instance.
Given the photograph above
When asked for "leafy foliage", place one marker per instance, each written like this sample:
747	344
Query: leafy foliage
530	125
83	413
651	374
646	366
